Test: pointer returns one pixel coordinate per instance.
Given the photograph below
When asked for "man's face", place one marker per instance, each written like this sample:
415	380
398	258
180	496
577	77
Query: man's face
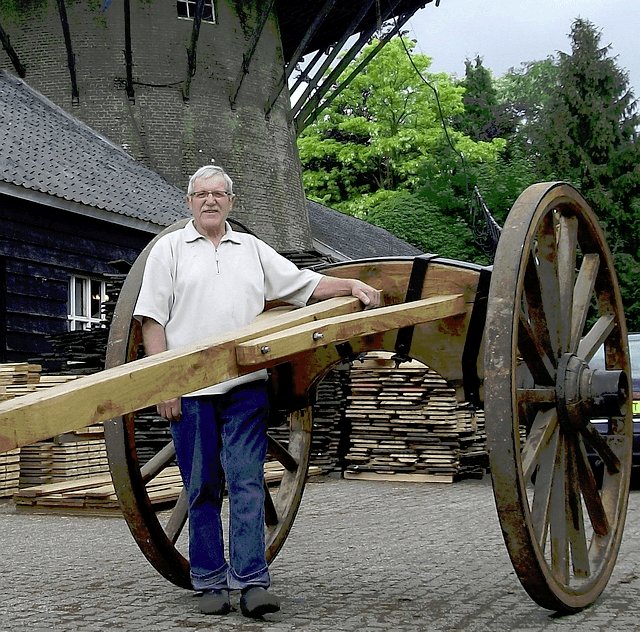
210	204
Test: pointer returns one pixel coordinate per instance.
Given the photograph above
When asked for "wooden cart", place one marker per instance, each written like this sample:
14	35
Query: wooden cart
518	338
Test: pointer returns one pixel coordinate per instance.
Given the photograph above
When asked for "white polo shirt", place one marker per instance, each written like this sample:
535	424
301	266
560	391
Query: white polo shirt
195	290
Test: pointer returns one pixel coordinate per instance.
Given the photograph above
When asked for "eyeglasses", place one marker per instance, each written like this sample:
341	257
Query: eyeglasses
217	195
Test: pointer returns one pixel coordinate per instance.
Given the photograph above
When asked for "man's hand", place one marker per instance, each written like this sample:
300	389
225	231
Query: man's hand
171	409
335	286
369	296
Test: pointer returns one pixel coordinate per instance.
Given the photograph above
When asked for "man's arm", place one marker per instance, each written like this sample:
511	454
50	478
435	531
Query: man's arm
155	341
334	286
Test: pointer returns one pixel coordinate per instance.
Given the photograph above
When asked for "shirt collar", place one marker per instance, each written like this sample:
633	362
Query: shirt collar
192	234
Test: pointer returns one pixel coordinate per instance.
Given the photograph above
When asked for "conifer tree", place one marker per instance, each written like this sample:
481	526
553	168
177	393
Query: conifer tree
588	135
484	117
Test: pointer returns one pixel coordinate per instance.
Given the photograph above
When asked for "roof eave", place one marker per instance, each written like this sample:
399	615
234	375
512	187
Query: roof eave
52	201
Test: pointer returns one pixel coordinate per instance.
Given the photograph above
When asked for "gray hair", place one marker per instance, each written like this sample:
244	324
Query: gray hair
210	171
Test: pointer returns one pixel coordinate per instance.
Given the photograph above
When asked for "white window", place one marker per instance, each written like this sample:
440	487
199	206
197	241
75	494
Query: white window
86	299
187	10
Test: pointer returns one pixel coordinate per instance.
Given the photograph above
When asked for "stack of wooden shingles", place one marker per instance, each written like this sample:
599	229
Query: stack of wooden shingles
60	458
329	430
328	421
152	433
15	379
18	378
407	424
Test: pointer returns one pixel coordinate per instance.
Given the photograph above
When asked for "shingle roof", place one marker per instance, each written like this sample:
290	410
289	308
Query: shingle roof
352	237
44	149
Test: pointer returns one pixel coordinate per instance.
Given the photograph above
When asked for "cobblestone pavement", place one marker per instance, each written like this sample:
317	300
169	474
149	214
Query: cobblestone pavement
362	556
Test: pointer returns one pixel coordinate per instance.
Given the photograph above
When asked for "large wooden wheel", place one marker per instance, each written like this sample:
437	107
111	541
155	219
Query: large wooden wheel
155	533
554	299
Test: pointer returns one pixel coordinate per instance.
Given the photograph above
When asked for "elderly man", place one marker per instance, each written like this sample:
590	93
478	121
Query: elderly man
202	280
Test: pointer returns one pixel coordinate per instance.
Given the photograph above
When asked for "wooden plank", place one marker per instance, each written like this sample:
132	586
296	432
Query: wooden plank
136	385
284	344
78	483
399	477
90	496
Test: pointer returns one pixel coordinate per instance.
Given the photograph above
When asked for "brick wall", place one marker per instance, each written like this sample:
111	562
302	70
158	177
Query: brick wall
159	127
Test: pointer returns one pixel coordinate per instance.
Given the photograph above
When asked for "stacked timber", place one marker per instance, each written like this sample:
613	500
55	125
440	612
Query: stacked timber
151	433
16	378
72	455
406	424
77	352
329	428
58	461
9	472
96	494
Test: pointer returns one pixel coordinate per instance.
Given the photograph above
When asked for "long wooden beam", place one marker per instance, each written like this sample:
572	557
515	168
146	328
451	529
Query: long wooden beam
144	382
128	387
286	344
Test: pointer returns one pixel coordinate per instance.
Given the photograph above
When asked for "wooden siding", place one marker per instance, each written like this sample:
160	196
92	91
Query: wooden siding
40	249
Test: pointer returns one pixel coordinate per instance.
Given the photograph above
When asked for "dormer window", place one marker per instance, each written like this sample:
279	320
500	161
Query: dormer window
187	10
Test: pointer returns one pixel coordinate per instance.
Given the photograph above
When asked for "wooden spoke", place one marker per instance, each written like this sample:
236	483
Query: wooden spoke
596	336
542	489
534	353
537	396
567	250
158	462
600	445
547	268
270	512
178	517
590	493
279	452
558	529
535	309
574	515
582	297
543	428
553	273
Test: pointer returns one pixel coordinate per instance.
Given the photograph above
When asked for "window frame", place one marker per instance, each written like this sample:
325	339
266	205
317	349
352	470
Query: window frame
189	8
85	321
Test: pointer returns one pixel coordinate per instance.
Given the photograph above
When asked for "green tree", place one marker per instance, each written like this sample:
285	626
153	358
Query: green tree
484	117
588	135
383	129
414	218
503	181
523	92
384	133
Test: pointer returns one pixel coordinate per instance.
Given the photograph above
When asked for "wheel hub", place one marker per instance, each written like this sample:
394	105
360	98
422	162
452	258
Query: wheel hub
584	393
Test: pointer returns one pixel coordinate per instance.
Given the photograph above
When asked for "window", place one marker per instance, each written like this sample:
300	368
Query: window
86	298
187	10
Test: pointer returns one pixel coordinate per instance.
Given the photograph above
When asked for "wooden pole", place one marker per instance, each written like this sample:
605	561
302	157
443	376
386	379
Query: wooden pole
142	383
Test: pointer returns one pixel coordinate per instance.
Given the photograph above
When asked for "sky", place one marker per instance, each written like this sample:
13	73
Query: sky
506	33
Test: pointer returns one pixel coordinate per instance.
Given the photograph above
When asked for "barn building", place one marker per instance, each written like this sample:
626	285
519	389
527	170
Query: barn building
77	209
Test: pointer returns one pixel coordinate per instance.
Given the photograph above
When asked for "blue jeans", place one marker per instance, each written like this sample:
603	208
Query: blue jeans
218	437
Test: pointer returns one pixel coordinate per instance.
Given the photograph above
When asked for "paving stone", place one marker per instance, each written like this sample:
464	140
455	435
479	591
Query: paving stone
361	557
